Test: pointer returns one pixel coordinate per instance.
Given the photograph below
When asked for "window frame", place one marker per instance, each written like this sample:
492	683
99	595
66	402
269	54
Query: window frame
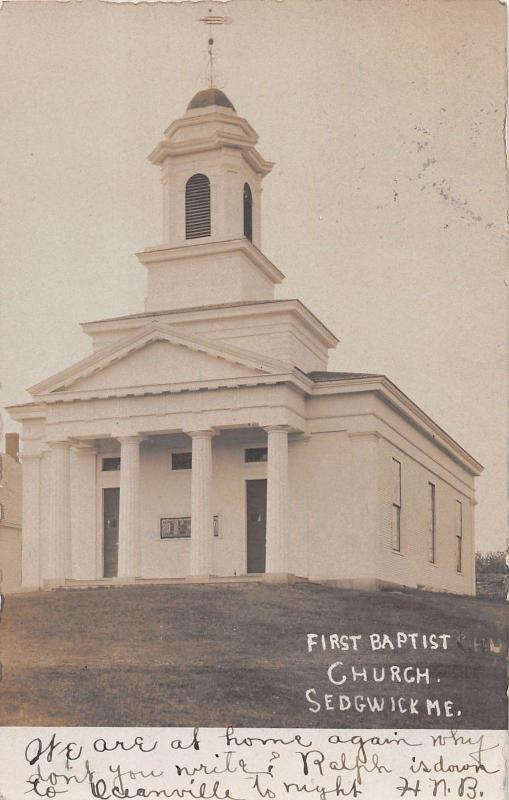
396	508
105	458
432	523
255	447
458	534
176	452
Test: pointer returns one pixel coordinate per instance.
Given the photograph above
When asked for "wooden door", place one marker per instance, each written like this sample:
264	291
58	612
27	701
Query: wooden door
256	524
111	498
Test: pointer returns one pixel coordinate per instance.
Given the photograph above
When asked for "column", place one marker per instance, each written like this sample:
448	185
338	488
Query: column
277	500
202	529
60	511
129	512
31	511
83	512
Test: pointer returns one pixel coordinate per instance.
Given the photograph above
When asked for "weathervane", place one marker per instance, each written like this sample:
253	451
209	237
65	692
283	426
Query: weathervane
213	19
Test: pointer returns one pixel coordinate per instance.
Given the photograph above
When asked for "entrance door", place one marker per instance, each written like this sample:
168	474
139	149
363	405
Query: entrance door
256	505
111	498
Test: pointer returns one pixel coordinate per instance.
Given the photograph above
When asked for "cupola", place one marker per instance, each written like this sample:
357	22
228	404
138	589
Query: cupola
212	177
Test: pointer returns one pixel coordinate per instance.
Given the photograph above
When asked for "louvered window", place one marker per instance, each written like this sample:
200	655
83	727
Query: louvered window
248	212
197	207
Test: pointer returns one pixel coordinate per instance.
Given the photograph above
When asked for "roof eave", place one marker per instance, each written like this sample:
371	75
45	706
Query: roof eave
392	395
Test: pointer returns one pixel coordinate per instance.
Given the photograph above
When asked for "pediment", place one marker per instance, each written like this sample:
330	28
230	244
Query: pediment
161	362
158	356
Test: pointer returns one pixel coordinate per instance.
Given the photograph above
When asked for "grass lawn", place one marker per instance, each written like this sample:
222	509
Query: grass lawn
214	655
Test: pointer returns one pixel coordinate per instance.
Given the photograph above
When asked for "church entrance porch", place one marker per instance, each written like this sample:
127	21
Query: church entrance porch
200	505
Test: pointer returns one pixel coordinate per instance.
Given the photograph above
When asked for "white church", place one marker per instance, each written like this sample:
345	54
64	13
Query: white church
204	438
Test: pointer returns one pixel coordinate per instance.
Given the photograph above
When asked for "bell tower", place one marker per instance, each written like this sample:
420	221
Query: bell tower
212	177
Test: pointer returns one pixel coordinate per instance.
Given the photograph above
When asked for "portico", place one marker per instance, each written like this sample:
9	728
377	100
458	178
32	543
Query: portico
82	536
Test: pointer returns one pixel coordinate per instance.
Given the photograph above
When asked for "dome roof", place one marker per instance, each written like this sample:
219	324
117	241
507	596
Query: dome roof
210	97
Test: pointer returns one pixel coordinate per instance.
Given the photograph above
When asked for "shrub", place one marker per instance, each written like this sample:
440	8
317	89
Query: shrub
492	562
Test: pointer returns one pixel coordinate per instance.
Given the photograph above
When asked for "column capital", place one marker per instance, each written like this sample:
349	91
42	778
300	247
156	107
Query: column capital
206	433
84	448
129	438
278	428
60	444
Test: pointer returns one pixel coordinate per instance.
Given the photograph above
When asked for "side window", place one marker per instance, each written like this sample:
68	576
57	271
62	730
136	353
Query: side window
396	505
458	530
197	206
432	523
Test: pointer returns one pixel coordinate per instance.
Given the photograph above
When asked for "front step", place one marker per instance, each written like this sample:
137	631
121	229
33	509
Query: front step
103	583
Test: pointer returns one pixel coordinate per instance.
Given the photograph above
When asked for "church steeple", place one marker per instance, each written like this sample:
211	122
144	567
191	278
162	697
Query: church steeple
212	177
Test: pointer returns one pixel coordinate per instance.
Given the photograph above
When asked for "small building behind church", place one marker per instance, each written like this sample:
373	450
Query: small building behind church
10	516
205	438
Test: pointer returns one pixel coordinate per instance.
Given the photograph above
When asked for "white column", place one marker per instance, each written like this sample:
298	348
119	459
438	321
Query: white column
277	501
129	513
83	512
31	511
60	510
202	529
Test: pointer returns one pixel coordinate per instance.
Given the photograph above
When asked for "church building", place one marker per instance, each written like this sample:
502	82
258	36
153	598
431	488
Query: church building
205	439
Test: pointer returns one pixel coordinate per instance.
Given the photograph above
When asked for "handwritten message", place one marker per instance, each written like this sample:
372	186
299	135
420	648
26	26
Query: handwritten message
248	764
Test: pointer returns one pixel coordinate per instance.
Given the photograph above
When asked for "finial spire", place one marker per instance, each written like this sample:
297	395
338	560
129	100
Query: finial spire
212	19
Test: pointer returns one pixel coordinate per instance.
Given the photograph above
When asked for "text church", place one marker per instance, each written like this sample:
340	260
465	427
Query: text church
204	439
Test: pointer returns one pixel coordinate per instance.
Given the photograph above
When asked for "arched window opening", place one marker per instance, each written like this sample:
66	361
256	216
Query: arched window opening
248	212
197	206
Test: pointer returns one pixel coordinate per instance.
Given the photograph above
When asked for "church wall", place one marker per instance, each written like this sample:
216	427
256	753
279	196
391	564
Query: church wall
167	493
321	502
412	566
377	434
193	283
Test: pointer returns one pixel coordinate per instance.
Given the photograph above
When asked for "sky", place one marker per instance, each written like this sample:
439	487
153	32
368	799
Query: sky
385	210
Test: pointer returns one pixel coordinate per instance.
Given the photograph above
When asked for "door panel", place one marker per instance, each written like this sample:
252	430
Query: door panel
111	498
256	524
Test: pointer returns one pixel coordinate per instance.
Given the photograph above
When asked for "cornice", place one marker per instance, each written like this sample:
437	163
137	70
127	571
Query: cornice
216	115
162	254
230	311
68	396
26	411
167	149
